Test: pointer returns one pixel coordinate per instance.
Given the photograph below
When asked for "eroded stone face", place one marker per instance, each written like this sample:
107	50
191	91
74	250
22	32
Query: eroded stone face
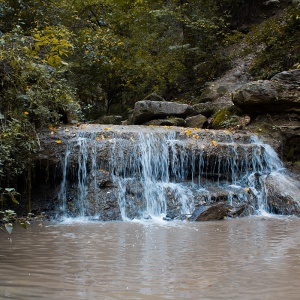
280	94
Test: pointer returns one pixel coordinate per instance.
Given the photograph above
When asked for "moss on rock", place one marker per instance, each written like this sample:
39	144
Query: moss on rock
227	118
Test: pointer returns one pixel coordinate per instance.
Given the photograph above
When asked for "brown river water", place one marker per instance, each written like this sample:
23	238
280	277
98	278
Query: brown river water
249	258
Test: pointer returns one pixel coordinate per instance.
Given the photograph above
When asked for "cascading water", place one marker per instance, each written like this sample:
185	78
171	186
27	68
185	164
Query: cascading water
162	174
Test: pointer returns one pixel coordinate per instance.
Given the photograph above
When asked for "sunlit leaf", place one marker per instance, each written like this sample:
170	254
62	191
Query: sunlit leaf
58	141
24	225
9	227
188	132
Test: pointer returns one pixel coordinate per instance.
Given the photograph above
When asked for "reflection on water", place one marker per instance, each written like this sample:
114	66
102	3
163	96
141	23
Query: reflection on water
250	258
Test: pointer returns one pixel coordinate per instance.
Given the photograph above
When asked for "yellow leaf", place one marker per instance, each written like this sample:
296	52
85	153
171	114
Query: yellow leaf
188	132
58	141
98	139
132	139
109	128
102	137
214	143
52	132
247	190
26	113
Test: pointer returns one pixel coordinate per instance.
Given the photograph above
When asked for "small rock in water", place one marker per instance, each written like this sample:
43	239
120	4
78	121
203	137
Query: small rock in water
210	212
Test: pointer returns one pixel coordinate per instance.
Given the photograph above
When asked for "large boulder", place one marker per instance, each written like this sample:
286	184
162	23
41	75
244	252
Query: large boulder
280	94
283	194
147	110
197	121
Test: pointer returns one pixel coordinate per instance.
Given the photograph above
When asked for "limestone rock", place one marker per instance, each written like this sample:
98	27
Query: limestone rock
283	194
196	121
280	94
147	110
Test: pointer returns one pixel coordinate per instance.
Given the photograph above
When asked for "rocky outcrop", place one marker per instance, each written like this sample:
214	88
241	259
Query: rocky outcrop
197	121
283	194
281	94
147	110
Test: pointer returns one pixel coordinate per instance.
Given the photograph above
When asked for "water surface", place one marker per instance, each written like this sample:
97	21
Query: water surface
250	258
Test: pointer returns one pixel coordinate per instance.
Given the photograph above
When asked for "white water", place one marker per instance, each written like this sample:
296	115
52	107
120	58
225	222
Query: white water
156	169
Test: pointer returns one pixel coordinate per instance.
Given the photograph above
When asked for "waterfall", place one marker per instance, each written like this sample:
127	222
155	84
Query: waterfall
162	174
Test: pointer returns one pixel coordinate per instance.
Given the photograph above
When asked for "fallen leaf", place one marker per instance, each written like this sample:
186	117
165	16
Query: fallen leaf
214	143
58	141
188	132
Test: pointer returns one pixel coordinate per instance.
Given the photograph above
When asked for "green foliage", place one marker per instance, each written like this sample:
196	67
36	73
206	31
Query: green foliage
32	94
278	38
18	141
226	118
8	219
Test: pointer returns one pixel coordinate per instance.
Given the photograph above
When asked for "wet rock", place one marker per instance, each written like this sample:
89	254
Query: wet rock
242	210
210	212
283	194
197	121
146	110
280	94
